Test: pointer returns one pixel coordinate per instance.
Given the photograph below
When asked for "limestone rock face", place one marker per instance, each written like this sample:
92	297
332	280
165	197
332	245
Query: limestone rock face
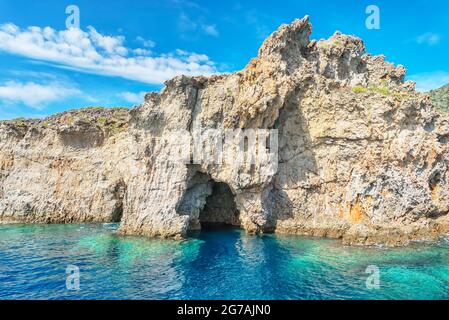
360	155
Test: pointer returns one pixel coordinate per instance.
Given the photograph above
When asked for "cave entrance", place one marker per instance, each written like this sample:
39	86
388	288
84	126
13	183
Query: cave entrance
220	209
119	196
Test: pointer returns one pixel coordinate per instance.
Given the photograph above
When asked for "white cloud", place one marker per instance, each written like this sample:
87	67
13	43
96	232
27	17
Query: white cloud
132	97
112	45
190	27
95	53
192	57
35	95
429	81
210	30
142	52
428	38
146	42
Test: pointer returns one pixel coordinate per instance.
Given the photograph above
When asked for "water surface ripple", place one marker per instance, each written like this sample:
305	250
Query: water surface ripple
214	264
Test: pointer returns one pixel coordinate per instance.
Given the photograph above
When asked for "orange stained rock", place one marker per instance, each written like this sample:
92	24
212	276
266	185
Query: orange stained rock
356	214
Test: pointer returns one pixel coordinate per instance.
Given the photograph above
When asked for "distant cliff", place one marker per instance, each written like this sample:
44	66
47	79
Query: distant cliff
361	155
440	98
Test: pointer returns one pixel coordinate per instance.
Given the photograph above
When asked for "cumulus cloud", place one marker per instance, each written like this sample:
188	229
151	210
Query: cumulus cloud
91	52
111	45
429	81
428	38
132	97
35	95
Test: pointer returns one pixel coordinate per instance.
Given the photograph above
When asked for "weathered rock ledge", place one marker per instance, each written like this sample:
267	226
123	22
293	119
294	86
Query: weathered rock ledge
361	157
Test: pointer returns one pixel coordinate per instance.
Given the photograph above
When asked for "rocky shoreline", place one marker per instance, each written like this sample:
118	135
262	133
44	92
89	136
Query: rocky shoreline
361	156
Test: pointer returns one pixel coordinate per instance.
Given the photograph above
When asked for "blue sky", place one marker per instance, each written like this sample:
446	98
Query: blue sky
126	48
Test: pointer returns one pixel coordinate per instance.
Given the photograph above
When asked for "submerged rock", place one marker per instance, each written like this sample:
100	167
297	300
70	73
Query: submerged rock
360	155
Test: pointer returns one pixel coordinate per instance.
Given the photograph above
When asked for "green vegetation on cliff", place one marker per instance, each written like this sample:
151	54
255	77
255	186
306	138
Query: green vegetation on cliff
440	98
111	119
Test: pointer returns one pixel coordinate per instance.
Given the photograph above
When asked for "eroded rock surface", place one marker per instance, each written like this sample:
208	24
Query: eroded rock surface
362	156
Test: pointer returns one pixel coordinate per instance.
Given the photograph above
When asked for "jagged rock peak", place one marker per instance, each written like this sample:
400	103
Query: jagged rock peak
288	37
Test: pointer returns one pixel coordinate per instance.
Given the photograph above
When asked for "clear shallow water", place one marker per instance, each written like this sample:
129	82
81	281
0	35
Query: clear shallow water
220	264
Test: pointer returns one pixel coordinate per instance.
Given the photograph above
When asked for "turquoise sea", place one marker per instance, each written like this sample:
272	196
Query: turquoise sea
213	264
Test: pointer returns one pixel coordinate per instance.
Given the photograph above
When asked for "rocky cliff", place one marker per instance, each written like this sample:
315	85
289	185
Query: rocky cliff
360	155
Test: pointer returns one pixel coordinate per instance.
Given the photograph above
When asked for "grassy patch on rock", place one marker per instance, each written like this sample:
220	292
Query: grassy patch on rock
108	119
440	98
383	90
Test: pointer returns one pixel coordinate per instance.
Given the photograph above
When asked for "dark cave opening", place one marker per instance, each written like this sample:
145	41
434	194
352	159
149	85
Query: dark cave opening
117	214
119	195
220	210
